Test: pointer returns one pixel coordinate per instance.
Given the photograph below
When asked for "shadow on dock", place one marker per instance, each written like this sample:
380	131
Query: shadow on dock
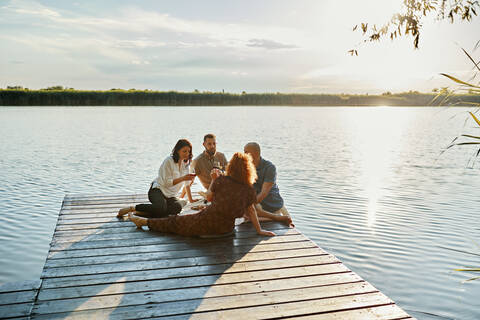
99	268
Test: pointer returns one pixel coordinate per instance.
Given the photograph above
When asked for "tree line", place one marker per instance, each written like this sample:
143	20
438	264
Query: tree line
59	96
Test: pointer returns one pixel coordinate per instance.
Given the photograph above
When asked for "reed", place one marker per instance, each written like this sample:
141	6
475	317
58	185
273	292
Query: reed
468	139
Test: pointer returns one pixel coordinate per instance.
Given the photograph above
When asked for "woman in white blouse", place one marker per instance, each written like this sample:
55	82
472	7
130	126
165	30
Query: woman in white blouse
172	176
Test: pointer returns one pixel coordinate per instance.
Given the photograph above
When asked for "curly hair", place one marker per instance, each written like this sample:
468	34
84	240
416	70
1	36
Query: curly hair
242	169
180	144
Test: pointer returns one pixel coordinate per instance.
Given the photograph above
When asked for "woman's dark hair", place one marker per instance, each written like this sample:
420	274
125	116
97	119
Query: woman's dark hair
180	144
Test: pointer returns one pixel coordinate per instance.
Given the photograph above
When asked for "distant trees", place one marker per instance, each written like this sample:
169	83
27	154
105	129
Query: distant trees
17	96
55	88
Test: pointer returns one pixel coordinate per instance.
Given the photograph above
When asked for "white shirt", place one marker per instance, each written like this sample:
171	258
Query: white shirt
169	171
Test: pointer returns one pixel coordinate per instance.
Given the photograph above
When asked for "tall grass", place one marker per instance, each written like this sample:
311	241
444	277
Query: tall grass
467	139
468	86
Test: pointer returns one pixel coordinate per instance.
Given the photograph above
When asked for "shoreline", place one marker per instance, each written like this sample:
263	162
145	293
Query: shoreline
235	106
119	98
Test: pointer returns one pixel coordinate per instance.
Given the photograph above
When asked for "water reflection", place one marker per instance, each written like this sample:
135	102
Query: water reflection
377	135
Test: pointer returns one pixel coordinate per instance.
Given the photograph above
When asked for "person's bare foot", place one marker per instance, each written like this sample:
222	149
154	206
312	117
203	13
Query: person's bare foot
124	211
139	221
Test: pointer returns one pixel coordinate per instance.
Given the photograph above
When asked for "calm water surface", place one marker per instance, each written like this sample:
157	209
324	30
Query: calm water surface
365	184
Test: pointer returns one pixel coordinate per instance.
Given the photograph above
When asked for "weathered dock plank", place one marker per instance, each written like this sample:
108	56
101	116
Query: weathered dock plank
152	246
189	271
193	280
138	238
99	267
271	305
17	299
101	247
173	254
160	295
222	258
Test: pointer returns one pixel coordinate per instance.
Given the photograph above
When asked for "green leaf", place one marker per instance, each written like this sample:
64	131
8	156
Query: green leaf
472	103
470	136
477	45
466	143
459	81
471	59
475	118
476	278
469	269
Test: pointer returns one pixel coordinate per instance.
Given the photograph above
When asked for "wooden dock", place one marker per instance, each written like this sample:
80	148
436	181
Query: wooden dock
99	267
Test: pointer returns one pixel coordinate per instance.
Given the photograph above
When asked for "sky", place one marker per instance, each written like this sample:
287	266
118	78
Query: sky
212	45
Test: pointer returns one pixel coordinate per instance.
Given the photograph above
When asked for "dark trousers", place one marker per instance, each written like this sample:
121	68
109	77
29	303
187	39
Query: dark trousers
160	206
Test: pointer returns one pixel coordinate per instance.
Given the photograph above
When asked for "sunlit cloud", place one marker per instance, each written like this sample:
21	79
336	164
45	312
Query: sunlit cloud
30	8
139	43
139	62
239	73
135	20
268	44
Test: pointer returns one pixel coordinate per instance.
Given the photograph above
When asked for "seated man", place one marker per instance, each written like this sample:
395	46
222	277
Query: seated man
208	159
268	195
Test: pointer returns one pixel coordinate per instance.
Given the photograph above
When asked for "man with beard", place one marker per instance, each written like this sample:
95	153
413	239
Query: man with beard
208	160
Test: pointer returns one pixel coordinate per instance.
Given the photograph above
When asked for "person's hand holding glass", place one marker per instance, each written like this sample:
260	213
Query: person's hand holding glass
215	173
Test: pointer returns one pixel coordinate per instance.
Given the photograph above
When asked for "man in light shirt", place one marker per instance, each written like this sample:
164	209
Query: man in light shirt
209	159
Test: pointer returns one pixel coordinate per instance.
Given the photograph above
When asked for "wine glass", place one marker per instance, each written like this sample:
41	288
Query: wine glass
217	165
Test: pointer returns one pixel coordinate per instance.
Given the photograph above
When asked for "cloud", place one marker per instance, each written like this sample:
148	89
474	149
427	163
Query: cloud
132	46
139	43
30	8
132	36
239	73
140	62
269	44
165	29
225	34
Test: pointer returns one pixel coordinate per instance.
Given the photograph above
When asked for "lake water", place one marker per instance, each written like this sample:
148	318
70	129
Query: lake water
366	184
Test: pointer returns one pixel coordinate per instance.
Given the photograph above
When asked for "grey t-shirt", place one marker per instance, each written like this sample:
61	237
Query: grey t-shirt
204	163
267	172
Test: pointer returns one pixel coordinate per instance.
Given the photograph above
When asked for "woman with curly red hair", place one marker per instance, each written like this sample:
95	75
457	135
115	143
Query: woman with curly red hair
231	196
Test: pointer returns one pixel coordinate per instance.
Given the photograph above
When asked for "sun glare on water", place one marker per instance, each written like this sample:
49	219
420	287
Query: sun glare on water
379	132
